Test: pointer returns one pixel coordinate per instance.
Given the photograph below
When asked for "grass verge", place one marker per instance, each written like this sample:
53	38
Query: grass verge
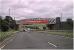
62	33
4	35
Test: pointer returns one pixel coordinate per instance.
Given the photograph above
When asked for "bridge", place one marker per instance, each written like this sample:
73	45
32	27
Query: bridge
39	21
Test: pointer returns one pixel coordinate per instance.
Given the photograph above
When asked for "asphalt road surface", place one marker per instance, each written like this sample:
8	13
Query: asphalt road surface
39	40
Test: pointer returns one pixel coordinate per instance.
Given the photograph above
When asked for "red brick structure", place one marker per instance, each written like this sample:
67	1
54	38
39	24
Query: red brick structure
29	21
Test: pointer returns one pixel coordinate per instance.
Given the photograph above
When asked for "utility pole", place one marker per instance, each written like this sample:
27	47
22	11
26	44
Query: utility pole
9	15
61	16
1	7
61	21
9	12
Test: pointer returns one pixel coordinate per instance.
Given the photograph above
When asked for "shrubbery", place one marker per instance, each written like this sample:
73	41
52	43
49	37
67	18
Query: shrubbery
7	23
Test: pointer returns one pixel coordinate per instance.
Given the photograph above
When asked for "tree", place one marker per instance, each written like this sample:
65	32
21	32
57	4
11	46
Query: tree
4	26
11	22
8	18
7	23
0	22
16	26
44	28
0	19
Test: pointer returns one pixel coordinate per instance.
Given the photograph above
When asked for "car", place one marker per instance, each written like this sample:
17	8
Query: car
23	29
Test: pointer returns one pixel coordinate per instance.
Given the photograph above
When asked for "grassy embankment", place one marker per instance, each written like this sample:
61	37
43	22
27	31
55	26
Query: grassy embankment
62	33
4	35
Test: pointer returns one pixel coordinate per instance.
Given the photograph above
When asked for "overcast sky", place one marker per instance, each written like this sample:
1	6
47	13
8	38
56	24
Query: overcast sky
21	9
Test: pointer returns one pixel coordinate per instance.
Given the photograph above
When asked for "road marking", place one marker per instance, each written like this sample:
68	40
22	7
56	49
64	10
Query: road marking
52	44
6	43
3	46
73	38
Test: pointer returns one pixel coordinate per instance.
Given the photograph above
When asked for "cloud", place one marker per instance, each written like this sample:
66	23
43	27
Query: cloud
37	8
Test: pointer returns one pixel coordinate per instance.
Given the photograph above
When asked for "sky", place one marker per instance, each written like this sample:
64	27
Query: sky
21	9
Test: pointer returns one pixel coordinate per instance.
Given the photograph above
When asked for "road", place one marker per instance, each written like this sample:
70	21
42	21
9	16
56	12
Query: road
39	40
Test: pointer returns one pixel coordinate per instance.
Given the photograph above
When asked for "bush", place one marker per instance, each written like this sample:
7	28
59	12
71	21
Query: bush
7	23
4	26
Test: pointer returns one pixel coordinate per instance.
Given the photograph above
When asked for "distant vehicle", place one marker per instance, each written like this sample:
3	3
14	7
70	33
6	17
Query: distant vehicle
28	29
24	29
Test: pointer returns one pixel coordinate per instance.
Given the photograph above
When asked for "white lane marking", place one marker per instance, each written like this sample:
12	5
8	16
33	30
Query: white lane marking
6	44
73	38
52	44
3	46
